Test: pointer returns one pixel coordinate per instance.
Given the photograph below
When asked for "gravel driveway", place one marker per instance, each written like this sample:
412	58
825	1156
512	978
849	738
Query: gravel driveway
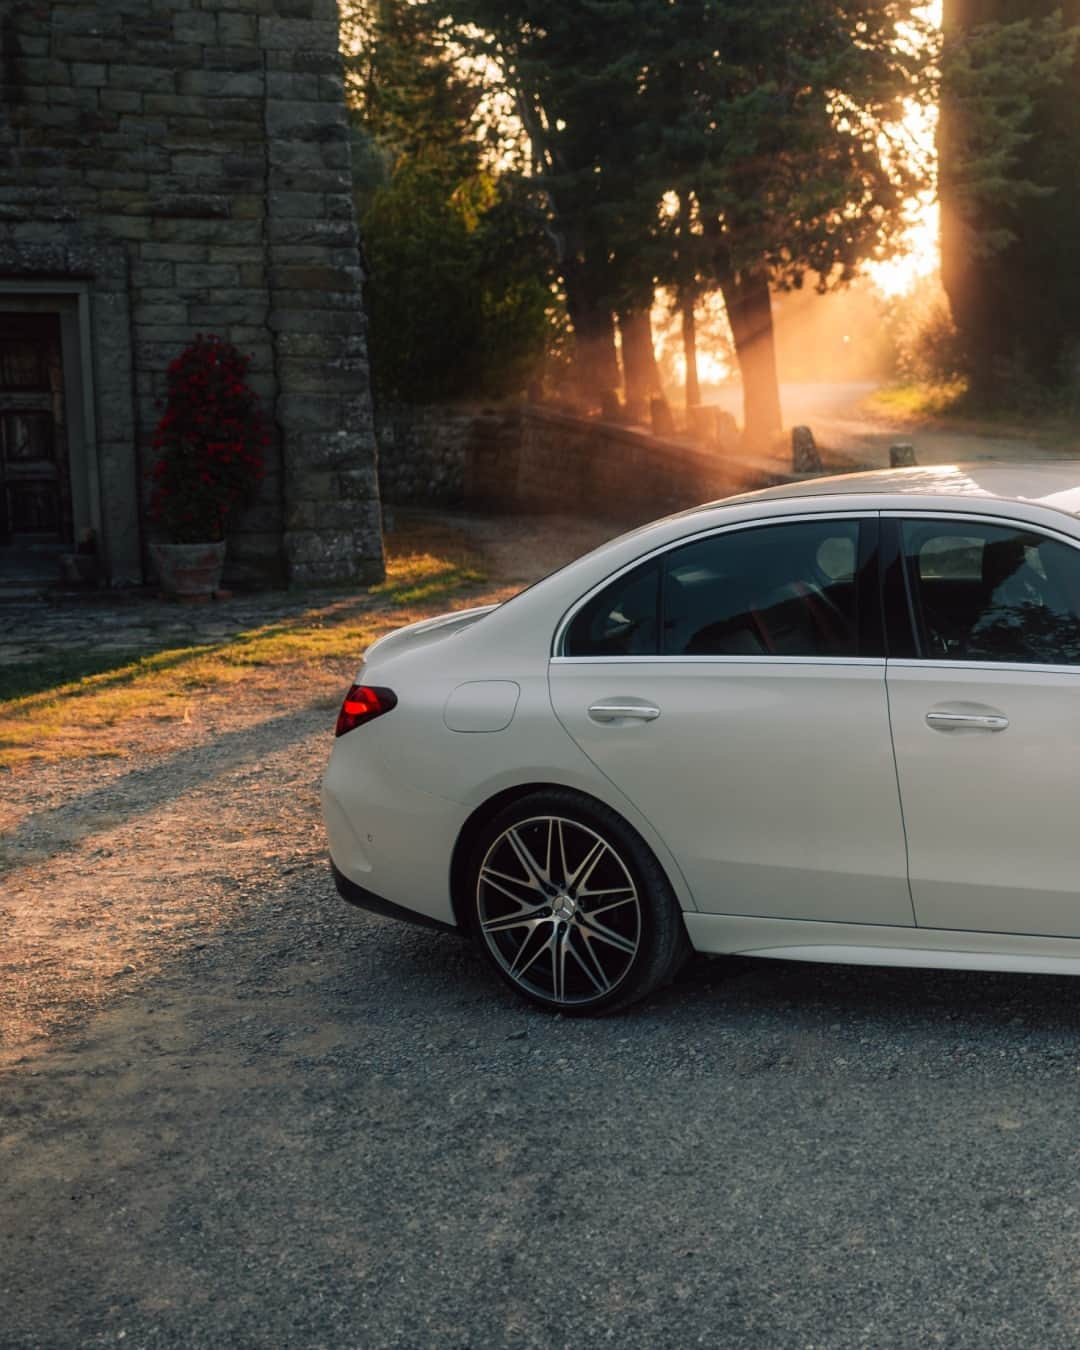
285	1123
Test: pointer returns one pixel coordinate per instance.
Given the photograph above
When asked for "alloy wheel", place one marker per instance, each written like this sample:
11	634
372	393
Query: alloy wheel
559	910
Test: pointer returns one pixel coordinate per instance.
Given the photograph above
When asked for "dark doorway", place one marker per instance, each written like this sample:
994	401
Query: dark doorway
35	482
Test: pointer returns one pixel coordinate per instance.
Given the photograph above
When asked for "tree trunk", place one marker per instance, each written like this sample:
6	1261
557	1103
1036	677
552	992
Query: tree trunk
749	310
596	363
689	341
641	374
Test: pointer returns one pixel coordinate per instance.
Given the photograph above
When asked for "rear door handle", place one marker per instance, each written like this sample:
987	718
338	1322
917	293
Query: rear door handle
614	712
945	721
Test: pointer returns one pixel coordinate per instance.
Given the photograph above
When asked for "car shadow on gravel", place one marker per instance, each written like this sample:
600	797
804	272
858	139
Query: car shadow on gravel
43	834
935	1003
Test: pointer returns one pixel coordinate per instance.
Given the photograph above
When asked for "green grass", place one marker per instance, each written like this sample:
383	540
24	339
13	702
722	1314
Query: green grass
917	401
67	707
60	668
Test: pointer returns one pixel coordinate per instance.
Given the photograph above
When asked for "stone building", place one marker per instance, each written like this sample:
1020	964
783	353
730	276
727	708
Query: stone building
168	168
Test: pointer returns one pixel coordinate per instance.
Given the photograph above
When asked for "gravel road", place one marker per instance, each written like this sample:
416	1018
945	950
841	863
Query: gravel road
284	1123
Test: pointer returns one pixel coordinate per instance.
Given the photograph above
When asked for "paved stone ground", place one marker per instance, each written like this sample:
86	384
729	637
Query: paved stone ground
31	630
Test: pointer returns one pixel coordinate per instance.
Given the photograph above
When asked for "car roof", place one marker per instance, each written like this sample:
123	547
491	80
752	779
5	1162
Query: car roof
1050	483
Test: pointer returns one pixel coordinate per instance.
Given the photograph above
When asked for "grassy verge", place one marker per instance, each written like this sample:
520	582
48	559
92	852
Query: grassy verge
92	713
917	402
951	405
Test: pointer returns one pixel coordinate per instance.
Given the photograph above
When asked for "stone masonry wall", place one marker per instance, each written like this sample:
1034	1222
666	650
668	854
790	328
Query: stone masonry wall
188	160
613	471
422	454
534	459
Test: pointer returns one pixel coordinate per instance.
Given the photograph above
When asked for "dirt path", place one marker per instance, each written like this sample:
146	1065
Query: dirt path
111	864
842	421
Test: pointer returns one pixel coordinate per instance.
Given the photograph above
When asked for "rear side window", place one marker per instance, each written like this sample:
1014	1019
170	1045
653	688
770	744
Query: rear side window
776	590
993	593
621	620
772	590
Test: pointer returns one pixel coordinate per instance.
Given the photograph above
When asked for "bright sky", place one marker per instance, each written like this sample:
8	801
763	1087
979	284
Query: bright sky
922	257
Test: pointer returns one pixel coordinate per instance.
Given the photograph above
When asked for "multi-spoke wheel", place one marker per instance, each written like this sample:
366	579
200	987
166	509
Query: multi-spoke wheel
572	907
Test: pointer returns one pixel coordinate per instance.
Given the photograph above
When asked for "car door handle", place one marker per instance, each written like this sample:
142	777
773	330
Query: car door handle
943	721
613	712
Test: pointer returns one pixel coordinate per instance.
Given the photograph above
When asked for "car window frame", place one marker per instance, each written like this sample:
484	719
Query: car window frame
899	598
868	615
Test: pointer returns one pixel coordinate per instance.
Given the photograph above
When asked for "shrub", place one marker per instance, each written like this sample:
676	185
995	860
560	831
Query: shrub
210	442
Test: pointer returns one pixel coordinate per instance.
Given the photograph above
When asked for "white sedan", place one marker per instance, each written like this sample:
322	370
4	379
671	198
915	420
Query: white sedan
836	721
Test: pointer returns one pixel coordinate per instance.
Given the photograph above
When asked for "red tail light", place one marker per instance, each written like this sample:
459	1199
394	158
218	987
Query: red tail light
363	703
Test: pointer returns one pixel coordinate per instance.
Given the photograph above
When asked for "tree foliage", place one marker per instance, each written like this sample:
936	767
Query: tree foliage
1009	139
771	126
458	286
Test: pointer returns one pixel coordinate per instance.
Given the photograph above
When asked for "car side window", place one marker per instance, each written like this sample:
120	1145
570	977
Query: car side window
993	593
771	590
620	620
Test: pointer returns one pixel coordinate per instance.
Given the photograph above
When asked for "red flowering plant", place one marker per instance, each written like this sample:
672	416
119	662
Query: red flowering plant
210	442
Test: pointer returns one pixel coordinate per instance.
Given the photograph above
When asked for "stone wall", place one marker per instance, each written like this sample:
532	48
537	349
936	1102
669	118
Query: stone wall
532	459
185	165
614	471
422	453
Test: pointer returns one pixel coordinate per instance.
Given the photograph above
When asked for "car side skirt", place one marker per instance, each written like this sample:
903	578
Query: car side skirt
878	945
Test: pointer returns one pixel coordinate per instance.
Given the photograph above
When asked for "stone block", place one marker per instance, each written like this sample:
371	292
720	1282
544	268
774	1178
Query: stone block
284	318
154	273
292	158
304	205
187	165
69	47
218	315
316	127
234	58
248	205
121	100
146	79
902	455
290	35
196	27
88	73
237	30
172	105
221	83
307	412
159	314
290	85
45	71
125	227
153	252
301	277
236	253
359	484
302	231
305	60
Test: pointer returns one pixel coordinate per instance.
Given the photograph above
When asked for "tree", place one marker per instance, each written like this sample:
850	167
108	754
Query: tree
773	123
459	275
779	127
1008	142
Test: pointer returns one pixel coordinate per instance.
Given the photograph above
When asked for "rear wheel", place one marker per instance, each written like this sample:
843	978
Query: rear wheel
571	907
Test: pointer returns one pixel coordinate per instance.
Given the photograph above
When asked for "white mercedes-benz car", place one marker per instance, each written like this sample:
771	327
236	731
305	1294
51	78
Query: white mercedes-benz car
836	721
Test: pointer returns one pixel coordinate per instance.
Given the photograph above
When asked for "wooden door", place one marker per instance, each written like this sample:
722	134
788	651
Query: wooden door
35	482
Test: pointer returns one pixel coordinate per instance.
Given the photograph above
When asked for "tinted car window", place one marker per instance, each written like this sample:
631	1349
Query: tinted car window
993	593
773	590
621	619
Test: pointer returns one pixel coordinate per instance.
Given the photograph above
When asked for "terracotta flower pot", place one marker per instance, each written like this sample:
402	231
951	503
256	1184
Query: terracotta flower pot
189	570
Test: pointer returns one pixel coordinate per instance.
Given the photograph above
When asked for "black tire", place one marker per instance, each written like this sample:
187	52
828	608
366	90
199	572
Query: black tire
572	909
